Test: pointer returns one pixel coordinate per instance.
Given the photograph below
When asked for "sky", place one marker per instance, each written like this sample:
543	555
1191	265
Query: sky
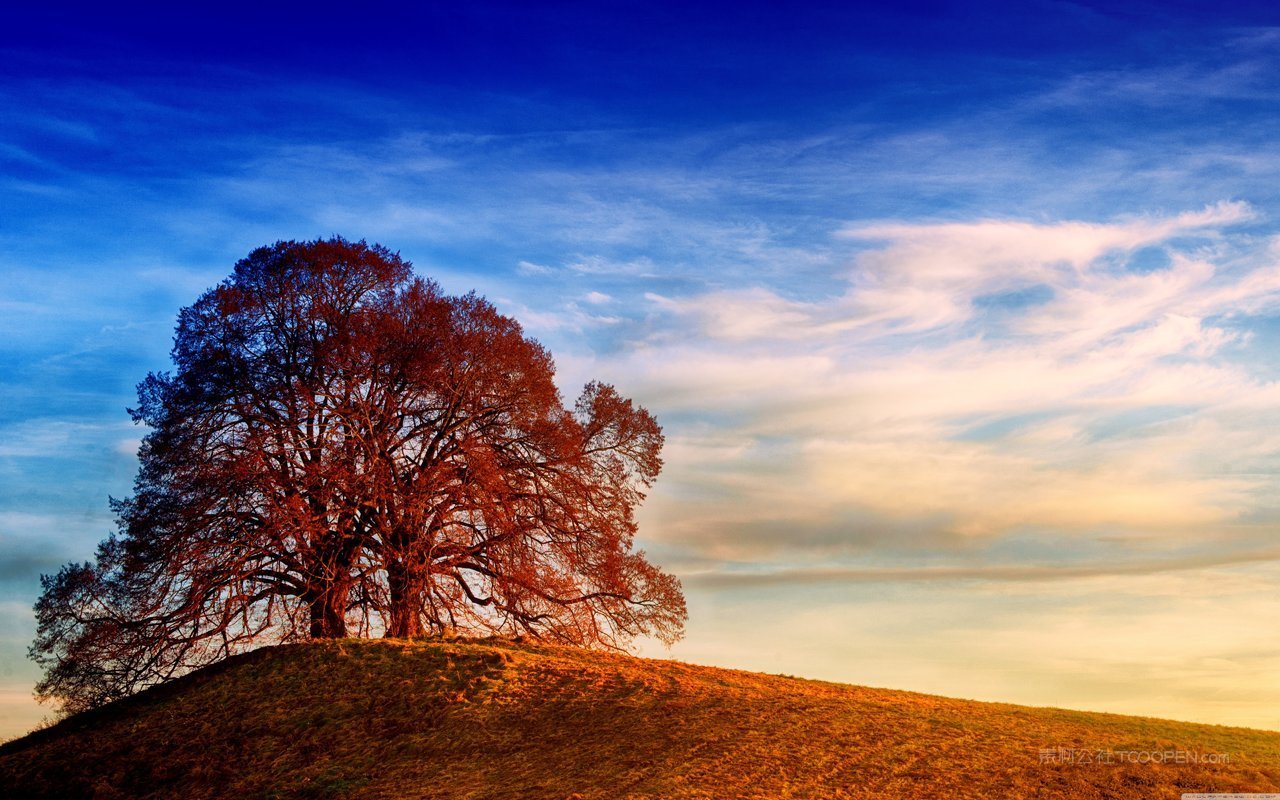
960	318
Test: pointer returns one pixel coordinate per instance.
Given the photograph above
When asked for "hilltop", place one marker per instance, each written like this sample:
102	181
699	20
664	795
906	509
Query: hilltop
496	719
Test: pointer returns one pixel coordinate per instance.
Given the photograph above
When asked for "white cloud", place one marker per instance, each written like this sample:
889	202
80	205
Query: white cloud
530	268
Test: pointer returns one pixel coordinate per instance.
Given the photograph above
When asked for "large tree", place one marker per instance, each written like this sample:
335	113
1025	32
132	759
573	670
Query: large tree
342	449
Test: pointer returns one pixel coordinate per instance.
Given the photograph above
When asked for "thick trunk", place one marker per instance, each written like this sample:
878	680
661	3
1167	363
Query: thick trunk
331	585
406	604
329	613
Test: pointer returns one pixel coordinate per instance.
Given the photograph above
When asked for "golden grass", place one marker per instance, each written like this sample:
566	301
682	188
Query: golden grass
494	719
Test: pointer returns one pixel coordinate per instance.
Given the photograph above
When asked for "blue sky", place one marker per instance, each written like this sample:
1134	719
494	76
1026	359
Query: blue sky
960	318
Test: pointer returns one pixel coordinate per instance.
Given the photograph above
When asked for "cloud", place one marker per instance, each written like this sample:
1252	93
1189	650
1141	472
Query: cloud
50	438
530	268
1035	573
930	276
857	410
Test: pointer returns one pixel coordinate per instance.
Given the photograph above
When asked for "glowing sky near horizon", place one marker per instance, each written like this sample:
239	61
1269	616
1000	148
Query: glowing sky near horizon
961	322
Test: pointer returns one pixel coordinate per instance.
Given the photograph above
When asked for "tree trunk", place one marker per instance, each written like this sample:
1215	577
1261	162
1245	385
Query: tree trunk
406	601
329	612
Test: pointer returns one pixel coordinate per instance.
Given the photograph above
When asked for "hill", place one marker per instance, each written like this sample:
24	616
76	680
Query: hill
493	719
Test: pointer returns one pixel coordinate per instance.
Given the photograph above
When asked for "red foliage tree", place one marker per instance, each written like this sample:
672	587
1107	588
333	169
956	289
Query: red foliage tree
344	449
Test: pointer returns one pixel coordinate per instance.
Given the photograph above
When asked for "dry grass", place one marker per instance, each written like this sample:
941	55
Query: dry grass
491	719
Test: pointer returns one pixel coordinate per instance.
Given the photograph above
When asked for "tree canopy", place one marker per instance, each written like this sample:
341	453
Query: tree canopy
342	449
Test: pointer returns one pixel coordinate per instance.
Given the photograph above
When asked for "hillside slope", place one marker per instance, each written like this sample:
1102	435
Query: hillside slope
490	719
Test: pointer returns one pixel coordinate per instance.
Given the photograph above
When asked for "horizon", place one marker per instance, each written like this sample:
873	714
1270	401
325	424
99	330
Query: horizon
959	322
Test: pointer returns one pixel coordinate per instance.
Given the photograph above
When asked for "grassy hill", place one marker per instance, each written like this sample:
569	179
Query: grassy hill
491	719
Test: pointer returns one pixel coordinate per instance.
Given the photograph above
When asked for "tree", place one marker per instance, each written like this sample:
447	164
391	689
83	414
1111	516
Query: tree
343	449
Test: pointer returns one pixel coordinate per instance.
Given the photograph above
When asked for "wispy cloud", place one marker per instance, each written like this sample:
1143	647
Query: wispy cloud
933	391
1035	573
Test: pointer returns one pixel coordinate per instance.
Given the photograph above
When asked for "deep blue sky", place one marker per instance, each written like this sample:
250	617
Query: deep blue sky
959	316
